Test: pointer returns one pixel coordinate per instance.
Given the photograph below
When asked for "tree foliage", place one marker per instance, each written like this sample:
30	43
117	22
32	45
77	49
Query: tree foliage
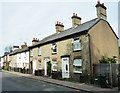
8	48
107	59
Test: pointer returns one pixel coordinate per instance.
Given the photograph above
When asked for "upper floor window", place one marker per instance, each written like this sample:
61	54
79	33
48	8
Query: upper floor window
19	56
54	50
76	44
39	50
31	52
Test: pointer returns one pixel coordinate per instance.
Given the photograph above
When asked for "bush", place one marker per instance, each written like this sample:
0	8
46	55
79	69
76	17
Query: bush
103	60
108	60
6	68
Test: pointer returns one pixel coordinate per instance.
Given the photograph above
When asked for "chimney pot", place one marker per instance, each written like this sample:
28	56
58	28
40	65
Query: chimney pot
98	2
76	14
33	38
103	4
38	39
57	22
61	23
73	14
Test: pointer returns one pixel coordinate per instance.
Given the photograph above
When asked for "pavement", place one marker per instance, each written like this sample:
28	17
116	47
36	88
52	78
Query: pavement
78	86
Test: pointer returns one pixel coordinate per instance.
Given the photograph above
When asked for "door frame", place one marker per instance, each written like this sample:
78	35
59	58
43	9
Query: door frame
68	72
34	64
46	59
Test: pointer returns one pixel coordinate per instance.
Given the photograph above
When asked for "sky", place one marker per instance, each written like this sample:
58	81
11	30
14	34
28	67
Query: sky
21	20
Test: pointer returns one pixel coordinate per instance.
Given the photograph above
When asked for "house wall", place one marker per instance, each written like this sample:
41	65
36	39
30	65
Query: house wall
103	42
19	62
65	47
2	62
23	60
13	59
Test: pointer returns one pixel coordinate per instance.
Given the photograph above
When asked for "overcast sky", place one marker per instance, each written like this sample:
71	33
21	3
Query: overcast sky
21	21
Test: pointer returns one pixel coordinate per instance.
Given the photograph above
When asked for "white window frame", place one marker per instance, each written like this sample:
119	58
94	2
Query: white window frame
31	52
20	56
76	65
39	62
39	51
76	42
54	46
54	63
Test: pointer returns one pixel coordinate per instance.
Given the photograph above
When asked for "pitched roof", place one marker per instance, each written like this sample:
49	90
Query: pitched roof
19	51
80	28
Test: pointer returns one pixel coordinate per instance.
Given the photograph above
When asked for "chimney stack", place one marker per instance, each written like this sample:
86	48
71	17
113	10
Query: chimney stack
15	48
59	27
24	46
75	20
101	10
35	40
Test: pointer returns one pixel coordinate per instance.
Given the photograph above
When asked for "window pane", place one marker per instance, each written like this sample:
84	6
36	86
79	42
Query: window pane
54	48
31	52
77	68
77	62
39	50
54	65
39	64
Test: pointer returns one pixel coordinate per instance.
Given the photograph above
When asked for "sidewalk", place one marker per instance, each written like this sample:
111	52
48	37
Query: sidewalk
80	86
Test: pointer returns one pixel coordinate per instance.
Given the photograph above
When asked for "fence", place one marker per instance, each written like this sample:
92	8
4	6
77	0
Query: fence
108	72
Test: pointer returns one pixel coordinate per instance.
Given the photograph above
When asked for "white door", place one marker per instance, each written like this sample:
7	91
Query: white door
34	65
65	67
46	60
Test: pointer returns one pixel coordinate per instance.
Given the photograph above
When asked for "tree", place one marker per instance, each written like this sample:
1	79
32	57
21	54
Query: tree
8	48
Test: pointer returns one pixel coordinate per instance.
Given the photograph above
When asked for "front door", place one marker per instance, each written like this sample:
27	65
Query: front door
34	65
46	60
65	67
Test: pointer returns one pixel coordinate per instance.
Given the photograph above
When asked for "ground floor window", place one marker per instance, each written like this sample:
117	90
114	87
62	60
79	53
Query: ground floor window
77	65
54	65
39	64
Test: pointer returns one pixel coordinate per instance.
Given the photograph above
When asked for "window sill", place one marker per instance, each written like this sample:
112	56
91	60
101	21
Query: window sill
39	68
77	72
54	53
77	66
39	55
77	50
54	70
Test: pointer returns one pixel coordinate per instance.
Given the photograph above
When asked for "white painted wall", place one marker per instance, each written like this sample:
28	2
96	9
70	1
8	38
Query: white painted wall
23	58
2	62
8	59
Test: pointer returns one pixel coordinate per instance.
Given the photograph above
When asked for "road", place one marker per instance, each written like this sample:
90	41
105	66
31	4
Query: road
17	83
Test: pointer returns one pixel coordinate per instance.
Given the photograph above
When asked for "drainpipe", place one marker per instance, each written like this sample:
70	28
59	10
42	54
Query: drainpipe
90	59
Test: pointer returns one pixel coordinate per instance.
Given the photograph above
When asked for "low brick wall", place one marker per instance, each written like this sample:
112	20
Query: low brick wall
56	74
39	72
